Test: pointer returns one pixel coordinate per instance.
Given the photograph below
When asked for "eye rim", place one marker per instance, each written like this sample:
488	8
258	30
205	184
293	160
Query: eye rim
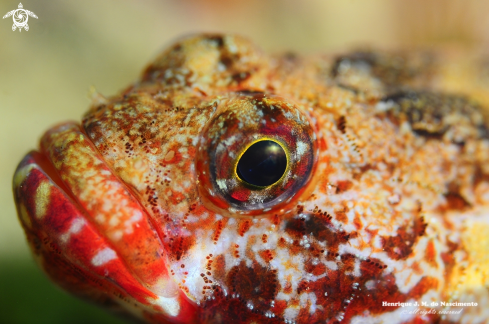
261	139
239	119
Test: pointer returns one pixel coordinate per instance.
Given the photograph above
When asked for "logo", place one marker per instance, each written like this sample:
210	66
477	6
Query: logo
20	16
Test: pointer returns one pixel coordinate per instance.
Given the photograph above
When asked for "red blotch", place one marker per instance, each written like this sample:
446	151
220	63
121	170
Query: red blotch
315	269
401	246
241	195
430	254
322	144
344	185
455	201
256	284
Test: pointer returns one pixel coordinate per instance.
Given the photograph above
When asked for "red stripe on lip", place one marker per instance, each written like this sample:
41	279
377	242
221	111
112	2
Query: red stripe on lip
66	251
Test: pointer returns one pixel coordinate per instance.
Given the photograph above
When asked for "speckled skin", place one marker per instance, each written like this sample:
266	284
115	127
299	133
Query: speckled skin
385	197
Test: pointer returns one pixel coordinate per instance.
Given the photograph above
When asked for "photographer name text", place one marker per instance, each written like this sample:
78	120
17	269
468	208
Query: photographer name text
428	304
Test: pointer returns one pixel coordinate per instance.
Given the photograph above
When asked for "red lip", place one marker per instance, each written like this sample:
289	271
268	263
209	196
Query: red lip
61	194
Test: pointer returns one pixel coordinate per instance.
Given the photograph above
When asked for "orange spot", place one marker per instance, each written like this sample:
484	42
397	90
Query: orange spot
266	255
430	254
243	227
217	234
281	242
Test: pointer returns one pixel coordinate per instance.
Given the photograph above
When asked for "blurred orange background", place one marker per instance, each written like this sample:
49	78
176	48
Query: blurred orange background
46	73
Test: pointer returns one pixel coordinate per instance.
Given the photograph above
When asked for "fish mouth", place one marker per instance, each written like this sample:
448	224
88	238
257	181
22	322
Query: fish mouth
87	230
36	168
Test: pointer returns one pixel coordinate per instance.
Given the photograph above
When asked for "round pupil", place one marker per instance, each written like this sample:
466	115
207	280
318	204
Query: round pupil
262	164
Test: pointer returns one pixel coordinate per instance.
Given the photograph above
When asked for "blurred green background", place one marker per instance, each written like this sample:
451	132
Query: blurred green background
46	73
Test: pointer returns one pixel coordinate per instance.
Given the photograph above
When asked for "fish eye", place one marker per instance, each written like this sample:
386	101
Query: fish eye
255	155
262	164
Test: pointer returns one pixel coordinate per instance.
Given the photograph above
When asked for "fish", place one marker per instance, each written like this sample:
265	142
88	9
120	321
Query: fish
230	185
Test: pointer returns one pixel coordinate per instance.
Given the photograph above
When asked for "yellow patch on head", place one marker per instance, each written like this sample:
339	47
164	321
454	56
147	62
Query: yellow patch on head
42	198
473	275
134	171
476	243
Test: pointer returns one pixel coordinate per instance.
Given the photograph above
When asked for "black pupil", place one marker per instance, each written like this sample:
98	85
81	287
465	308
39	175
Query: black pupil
262	164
